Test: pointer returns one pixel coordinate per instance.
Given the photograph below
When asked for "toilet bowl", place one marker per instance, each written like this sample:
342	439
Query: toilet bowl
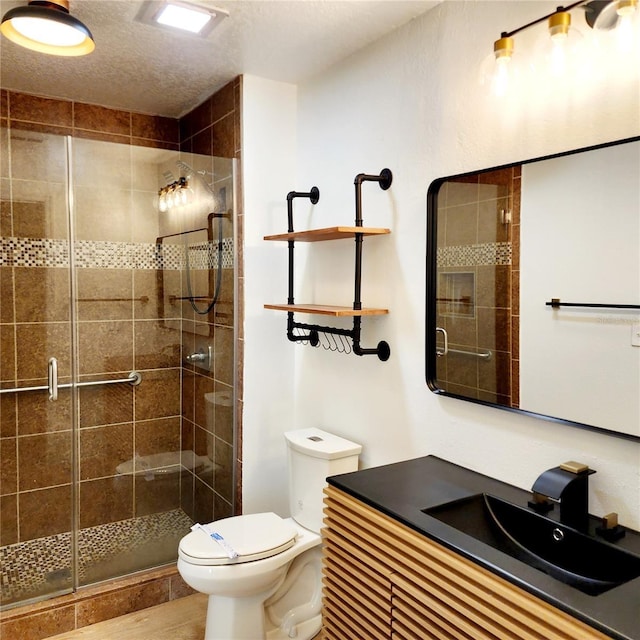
262	573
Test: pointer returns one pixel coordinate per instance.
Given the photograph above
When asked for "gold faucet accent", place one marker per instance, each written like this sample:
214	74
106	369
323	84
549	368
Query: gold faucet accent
574	467
610	521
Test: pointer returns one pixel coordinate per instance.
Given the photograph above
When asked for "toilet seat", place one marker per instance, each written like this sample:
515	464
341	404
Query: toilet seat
254	536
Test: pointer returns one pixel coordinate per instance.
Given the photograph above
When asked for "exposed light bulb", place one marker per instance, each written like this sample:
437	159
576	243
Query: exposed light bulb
176	194
626	8
501	76
498	69
627	31
561	53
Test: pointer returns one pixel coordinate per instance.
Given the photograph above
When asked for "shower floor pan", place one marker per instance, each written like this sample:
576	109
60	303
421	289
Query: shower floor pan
35	568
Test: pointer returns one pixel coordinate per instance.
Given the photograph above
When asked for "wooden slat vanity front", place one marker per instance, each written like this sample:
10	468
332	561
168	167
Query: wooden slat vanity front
382	581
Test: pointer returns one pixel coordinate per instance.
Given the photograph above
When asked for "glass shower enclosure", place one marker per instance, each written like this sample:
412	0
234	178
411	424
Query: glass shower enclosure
117	360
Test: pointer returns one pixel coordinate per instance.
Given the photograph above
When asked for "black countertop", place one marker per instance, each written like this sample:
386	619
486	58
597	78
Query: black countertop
402	490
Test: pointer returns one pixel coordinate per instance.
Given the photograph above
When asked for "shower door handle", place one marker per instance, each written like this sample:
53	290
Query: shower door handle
53	379
445	348
134	379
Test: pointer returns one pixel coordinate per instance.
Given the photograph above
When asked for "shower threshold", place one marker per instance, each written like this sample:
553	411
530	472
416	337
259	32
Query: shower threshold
36	568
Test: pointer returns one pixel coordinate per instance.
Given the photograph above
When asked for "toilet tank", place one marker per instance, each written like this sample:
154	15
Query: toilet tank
313	455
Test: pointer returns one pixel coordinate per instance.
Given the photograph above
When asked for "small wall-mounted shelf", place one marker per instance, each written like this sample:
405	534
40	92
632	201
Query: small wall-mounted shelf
326	310
335	338
330	233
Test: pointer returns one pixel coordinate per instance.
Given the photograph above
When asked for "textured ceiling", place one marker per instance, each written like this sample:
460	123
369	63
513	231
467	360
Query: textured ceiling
142	68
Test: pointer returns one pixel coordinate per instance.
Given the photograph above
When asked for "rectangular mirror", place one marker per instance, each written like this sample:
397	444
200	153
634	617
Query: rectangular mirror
533	287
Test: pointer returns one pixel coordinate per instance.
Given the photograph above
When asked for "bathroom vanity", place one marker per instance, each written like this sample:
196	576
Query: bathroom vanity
393	568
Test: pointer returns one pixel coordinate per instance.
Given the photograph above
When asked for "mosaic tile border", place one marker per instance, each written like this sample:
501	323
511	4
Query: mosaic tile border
473	255
33	567
31	252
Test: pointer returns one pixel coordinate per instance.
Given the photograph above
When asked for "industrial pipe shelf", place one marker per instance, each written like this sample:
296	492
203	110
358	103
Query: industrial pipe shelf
330	233
333	338
326	310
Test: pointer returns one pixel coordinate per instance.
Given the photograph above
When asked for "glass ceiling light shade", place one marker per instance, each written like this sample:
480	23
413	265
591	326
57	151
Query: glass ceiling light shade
47	27
617	21
605	15
498	70
562	50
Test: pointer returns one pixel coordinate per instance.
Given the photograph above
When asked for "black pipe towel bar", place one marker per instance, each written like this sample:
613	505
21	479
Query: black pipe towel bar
556	303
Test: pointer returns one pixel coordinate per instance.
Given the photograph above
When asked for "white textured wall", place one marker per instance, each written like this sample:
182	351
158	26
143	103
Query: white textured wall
580	227
268	168
411	102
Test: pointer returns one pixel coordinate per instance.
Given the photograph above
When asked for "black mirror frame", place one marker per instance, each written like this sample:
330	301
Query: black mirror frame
431	290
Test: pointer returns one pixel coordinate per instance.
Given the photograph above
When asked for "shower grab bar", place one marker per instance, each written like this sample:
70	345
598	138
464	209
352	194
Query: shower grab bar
140	299
17	389
483	355
134	379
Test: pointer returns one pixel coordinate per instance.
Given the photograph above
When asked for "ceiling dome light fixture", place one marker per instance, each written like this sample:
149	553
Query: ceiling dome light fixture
47	27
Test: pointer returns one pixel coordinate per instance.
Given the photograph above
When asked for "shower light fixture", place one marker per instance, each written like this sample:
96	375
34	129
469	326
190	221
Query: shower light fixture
47	27
498	69
174	195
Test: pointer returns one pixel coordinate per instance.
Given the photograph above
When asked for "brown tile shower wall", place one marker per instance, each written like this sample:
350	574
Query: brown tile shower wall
116	422
475	243
62	117
213	128
114	335
516	185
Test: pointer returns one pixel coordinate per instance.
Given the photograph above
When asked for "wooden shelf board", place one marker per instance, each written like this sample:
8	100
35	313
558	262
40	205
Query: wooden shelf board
330	233
326	310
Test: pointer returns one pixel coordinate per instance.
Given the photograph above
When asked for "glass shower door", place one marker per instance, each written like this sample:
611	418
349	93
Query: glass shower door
129	507
36	444
114	437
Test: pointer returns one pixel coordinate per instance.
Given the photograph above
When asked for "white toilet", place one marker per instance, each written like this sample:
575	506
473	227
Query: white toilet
272	589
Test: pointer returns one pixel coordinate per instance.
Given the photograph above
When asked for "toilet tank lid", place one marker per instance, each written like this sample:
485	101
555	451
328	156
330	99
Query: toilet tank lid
320	444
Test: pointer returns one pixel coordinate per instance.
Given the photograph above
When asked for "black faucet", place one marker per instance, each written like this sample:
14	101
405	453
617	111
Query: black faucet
567	484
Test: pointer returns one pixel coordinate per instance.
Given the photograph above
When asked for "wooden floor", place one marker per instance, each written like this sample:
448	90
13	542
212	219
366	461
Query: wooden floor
181	619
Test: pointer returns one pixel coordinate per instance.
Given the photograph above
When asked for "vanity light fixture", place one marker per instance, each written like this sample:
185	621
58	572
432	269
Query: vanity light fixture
498	70
173	195
184	16
47	27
